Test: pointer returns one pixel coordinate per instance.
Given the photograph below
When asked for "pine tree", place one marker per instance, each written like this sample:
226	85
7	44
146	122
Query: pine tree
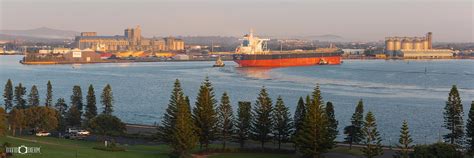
107	100
8	95
453	117
313	139
243	122
357	120
20	92
165	130
33	97
349	132
49	94
333	132
73	117
470	129
204	114
91	108
62	109
282	128
76	98
404	141
262	122
225	124
183	136
299	116
371	137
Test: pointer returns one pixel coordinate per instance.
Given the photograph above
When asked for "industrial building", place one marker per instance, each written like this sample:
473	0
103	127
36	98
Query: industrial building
131	40
415	48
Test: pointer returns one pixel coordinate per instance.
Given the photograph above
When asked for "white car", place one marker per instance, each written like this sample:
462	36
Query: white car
43	134
83	132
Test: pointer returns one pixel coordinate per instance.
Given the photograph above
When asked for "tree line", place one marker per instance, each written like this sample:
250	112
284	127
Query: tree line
25	111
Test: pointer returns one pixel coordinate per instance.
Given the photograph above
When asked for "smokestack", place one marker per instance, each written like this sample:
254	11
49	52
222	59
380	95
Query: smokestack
429	37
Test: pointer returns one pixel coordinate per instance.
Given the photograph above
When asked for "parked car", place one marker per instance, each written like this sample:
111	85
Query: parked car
83	132
73	136
42	134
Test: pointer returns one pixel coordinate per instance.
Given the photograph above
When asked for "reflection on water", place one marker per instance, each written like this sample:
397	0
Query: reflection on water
254	72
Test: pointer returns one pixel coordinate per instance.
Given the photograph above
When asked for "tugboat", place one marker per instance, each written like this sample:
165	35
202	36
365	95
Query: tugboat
219	63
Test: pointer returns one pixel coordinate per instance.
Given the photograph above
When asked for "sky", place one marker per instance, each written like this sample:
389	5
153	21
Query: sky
357	20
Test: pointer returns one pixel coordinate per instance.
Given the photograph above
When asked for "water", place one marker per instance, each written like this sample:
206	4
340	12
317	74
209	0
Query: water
415	91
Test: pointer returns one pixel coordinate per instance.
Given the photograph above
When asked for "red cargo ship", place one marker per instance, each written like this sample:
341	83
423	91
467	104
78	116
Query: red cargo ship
253	52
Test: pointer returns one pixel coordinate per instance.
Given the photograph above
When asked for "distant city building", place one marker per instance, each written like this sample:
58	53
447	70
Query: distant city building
414	48
131	40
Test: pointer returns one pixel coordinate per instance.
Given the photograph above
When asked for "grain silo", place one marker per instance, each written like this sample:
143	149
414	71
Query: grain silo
397	44
389	44
425	44
417	44
407	43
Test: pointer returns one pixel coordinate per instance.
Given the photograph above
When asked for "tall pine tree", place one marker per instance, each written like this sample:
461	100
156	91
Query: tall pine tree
313	139
404	141
91	108
33	97
243	122
282	129
453	117
8	95
226	117
49	94
20	101
349	132
76	98
107	100
332	123
262	118
168	122
470	129
298	117
357	120
73	117
371	137
62	109
204	114
183	138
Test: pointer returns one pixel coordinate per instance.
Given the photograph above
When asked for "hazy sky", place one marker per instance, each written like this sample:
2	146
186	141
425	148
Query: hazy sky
365	20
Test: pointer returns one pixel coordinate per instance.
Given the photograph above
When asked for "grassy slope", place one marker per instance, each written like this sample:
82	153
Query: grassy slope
60	148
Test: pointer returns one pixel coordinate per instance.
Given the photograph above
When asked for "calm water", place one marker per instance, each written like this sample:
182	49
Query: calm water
393	90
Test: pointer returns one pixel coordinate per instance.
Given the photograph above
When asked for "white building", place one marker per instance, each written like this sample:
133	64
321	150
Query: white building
353	51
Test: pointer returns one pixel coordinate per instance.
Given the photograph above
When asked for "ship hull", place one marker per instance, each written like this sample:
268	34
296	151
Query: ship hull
287	60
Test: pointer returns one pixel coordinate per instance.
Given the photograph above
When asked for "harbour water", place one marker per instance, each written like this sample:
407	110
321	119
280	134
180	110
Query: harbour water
414	90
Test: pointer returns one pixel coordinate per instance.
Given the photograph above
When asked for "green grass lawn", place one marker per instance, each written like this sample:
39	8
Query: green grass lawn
61	148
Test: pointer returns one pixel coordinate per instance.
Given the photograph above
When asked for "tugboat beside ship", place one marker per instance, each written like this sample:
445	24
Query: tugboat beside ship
219	62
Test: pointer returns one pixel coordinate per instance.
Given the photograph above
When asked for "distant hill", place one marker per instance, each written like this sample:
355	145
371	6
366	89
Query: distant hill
5	37
42	32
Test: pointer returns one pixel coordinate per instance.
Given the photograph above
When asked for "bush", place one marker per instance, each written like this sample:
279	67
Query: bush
107	125
438	150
